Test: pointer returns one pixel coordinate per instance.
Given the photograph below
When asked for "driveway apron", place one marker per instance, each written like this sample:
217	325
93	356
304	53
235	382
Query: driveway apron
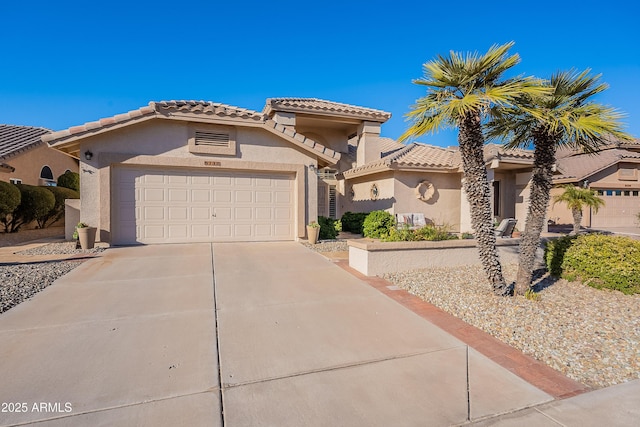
302	342
125	339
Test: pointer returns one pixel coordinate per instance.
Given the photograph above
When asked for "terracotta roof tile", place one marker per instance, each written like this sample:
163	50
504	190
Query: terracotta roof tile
581	166
15	139
314	105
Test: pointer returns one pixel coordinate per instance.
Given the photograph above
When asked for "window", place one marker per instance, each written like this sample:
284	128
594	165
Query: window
496	198
15	180
600	192
46	173
214	140
332	201
635	193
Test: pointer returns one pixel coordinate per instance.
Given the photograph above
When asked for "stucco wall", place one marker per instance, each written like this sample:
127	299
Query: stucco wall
164	143
362	201
442	209
29	164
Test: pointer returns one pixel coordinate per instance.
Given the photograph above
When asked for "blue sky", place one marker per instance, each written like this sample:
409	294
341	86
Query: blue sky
66	63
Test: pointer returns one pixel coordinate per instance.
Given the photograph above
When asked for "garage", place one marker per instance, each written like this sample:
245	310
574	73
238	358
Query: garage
620	208
183	206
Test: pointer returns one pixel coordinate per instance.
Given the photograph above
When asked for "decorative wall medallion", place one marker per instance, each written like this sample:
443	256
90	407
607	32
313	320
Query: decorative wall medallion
425	190
374	192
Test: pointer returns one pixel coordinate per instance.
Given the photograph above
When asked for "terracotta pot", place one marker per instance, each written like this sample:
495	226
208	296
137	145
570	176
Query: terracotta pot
87	237
312	234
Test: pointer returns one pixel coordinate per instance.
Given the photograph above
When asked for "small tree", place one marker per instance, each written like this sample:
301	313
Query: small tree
60	194
576	198
69	180
35	204
10	198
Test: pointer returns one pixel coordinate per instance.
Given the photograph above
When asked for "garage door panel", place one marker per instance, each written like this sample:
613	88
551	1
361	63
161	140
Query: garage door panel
156	206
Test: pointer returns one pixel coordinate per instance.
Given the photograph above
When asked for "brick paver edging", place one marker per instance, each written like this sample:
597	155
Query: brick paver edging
526	367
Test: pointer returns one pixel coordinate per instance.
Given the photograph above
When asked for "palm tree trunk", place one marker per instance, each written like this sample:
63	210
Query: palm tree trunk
544	158
577	219
476	186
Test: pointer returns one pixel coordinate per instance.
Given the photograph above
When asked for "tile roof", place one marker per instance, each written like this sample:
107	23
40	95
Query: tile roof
187	110
581	166
495	151
314	105
15	139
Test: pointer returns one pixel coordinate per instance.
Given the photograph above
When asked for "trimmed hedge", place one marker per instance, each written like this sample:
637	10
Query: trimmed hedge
554	254
378	224
69	180
60	194
35	204
353	221
327	228
10	198
600	261
428	233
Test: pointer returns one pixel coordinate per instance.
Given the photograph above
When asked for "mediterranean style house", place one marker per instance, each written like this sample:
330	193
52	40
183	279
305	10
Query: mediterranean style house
25	159
613	173
196	171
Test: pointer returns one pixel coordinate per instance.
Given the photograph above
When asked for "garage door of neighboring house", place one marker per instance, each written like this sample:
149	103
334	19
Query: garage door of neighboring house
181	206
620	210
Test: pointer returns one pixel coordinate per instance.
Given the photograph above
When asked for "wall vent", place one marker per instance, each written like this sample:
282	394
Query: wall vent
212	139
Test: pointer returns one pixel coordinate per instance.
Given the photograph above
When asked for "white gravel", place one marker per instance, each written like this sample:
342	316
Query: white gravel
337	245
591	335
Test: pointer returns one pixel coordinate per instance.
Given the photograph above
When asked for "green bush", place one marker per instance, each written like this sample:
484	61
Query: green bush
353	221
611	262
554	254
35	204
60	194
378	225
327	228
69	180
9	200
428	232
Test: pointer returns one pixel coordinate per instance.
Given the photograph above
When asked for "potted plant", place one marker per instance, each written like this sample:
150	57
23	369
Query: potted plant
313	231
86	235
516	233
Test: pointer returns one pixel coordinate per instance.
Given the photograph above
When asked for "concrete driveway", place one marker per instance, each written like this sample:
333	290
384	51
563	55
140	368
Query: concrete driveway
146	336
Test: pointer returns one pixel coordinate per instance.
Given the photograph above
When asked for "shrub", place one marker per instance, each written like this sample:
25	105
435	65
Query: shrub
60	194
428	232
611	262
327	228
35	204
353	221
9	200
69	180
378	224
554	254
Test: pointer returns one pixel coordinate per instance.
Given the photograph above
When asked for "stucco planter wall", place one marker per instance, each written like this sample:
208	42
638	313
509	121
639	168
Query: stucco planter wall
375	258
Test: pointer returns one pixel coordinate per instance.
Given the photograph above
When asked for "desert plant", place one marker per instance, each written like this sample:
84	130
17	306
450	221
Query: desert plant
461	91
577	198
353	221
312	224
69	180
378	224
10	198
60	194
531	295
601	261
327	228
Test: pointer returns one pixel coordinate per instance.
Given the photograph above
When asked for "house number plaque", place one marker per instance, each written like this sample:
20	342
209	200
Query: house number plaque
208	163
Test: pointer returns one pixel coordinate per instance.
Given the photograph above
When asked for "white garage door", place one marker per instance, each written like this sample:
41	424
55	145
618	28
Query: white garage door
619	210
180	206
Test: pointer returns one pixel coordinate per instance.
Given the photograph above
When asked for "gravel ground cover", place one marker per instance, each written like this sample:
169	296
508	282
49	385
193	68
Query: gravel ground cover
328	246
12	239
591	335
19	282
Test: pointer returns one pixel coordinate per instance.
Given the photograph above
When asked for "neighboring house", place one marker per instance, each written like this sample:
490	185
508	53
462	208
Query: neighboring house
614	173
25	159
195	171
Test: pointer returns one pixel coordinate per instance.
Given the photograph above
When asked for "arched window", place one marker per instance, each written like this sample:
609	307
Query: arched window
46	173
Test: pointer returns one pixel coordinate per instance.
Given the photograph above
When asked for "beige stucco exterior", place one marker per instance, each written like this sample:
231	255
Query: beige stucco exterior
29	163
163	144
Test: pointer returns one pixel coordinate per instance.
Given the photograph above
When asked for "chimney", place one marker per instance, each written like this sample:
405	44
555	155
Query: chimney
368	143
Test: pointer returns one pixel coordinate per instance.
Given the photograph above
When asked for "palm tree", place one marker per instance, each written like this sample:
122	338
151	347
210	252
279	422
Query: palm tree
461	90
563	116
576	198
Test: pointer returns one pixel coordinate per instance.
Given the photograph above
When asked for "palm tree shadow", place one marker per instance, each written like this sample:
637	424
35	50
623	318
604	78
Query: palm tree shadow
542	279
